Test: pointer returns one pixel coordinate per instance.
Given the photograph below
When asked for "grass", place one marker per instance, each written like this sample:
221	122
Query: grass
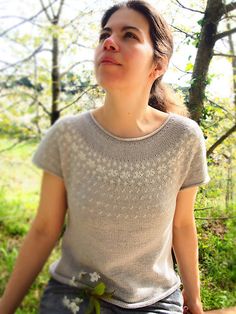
216	226
217	263
19	196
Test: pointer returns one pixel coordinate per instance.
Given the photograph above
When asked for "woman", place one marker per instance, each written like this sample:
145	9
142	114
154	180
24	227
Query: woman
127	175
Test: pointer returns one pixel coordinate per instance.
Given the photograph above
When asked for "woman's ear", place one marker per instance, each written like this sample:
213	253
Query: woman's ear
160	67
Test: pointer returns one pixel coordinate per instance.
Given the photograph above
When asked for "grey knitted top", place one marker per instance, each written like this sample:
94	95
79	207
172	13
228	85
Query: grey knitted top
121	202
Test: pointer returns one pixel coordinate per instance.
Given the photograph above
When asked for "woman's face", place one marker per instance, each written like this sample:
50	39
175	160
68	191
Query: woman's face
124	55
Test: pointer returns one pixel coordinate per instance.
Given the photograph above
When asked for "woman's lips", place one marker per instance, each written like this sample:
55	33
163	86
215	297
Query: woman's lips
109	61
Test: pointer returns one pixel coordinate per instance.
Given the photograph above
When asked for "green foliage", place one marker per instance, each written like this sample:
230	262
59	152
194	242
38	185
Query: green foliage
189	67
93	305
11	214
20	183
99	289
217	232
200	22
209	79
217	254
8	255
94	294
196	40
97	306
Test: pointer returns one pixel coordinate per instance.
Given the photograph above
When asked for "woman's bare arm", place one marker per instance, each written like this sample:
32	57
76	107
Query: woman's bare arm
185	246
38	243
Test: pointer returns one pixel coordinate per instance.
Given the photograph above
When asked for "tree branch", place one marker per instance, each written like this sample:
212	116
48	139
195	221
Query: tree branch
78	16
181	31
23	45
72	66
224	34
183	71
24	21
214	104
60	8
35	99
45	10
230	7
227	16
4	62
78	98
37	50
220	140
51	7
81	46
224	55
12	40
71	21
193	10
12	146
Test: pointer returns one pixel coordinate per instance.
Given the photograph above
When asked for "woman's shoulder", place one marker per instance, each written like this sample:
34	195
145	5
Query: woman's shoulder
186	124
67	122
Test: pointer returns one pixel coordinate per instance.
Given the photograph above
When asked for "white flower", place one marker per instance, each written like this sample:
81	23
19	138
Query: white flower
94	277
73	281
74	307
66	301
81	274
72	304
78	300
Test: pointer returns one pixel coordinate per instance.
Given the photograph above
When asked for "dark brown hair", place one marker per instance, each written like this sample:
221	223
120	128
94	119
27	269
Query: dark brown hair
162	97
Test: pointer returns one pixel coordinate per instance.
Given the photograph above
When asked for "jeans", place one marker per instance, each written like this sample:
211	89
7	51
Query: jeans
52	302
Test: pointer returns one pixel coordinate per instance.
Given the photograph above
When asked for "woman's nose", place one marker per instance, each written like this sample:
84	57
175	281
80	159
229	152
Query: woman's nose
110	44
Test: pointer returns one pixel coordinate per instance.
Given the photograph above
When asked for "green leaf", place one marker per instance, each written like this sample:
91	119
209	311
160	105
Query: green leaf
99	289
90	307
189	66
200	22
97	306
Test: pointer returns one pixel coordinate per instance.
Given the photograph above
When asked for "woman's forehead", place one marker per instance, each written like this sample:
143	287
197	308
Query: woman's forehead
119	18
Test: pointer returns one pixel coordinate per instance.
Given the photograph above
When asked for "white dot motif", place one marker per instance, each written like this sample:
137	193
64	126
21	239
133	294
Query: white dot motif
150	173
138	174
113	172
125	175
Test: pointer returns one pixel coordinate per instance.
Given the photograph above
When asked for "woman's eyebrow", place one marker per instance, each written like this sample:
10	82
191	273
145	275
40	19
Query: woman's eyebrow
108	29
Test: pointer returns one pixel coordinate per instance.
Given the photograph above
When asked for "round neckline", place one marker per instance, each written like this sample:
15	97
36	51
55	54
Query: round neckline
128	138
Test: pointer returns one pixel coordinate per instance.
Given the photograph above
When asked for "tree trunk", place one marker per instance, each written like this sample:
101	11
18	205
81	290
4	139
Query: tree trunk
213	13
55	76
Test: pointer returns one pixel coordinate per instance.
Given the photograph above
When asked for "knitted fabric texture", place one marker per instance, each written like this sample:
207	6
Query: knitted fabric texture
121	201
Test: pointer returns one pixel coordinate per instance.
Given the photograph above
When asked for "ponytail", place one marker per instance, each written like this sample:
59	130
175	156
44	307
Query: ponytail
164	98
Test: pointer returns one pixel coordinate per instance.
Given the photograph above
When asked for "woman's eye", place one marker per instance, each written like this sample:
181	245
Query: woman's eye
130	35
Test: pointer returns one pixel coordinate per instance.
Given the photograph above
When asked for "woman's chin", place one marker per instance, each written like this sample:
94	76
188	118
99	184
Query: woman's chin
110	85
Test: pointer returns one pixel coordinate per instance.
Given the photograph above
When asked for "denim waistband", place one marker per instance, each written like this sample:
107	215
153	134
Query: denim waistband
59	298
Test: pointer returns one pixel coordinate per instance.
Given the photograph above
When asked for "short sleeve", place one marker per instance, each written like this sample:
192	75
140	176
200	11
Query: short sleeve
47	155
197	169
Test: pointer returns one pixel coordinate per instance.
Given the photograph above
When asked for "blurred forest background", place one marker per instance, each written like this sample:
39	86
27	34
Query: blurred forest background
46	72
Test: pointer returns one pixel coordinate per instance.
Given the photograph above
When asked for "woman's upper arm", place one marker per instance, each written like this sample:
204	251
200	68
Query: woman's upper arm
185	206
52	205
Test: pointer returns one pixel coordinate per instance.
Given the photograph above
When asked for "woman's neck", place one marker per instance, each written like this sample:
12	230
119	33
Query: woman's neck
128	116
